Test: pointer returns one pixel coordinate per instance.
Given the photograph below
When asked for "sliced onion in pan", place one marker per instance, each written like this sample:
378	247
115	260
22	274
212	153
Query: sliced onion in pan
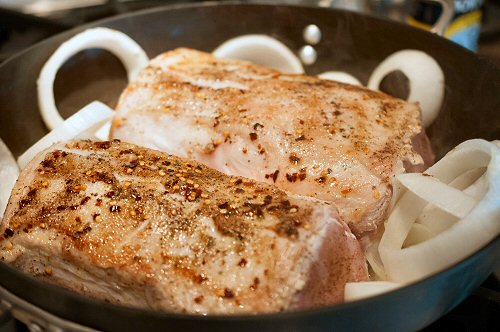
360	290
477	213
340	76
374	261
126	49
85	123
9	171
425	77
262	50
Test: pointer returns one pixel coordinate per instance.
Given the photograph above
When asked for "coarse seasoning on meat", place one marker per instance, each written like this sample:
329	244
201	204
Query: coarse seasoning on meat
143	228
332	141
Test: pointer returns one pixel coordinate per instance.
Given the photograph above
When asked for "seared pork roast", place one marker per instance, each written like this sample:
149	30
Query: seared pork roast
324	139
143	228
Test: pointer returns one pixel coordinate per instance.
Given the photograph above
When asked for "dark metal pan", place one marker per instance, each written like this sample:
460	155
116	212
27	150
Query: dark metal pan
351	42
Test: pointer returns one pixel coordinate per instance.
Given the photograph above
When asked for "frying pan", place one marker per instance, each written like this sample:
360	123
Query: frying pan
351	42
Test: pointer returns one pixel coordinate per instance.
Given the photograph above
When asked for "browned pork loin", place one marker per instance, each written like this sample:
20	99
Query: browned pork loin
332	141
139	227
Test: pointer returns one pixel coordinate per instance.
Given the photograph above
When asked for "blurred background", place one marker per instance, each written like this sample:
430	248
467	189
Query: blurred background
476	23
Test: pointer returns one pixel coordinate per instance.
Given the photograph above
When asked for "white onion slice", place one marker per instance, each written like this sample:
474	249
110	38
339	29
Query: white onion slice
447	198
8	175
360	290
425	76
126	49
340	76
83	124
262	50
373	259
474	229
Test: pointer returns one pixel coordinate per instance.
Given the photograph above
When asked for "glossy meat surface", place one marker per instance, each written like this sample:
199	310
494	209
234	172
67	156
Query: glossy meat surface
323	139
142	228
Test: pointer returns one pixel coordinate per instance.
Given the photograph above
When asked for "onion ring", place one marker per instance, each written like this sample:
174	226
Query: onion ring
262	50
126	49
477	220
88	123
425	76
340	76
8	175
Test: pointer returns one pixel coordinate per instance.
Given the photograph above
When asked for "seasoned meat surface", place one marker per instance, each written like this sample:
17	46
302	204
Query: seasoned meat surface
323	139
139	227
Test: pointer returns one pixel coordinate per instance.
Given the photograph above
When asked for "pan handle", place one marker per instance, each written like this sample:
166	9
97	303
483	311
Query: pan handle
448	10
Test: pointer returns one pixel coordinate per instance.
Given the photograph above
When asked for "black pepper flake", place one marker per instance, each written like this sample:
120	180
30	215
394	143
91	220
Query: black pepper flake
337	113
239	181
103	145
294	159
200	278
300	138
198	299
224	205
242	263
84	200
275	175
292	177
133	164
257	126
115	208
45	213
127	151
136	196
84	231
24	202
302	174
256	282
8	233
268	199
48	163
228	293
106	178
321	179
253	136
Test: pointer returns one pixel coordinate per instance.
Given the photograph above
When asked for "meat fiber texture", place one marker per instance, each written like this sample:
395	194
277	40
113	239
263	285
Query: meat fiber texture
332	141
142	228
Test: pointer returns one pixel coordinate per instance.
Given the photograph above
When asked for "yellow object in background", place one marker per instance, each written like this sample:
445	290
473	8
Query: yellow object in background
465	26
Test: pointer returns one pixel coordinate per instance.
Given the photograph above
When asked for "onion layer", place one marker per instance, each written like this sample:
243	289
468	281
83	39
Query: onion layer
126	49
8	175
340	76
360	290
476	210
262	50
83	124
425	76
